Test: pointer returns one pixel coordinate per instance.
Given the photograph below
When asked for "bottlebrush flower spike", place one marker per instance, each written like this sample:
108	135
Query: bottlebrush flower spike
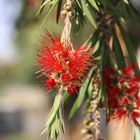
50	83
62	64
123	92
121	113
79	62
49	60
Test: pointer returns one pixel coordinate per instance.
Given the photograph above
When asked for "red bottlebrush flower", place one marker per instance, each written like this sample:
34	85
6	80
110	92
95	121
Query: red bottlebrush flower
60	61
107	72
121	79
50	83
79	63
129	70
137	96
57	45
54	43
124	101
108	80
120	113
134	82
66	54
113	91
138	104
132	90
66	78
72	89
49	61
112	102
135	114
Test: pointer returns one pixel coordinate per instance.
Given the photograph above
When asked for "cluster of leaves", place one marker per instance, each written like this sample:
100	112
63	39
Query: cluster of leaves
55	123
88	9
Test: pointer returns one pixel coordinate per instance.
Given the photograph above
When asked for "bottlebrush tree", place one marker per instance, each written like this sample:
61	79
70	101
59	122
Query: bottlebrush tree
103	71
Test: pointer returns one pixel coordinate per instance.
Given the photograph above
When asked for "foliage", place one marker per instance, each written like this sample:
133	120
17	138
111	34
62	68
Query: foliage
110	43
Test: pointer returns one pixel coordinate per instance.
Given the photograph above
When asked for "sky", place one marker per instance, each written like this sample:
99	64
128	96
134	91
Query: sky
9	13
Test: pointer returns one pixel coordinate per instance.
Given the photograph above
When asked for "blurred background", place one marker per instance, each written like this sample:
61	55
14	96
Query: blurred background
23	102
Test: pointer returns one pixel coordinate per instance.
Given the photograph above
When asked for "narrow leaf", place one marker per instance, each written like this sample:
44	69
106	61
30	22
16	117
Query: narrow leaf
126	1
65	97
93	3
59	10
50	10
118	53
94	38
88	14
130	47
102	93
81	96
53	112
44	3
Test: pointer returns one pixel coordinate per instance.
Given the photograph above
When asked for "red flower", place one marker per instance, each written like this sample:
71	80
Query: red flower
113	91
121	79
66	54
72	89
129	70
60	61
79	63
112	102
66	78
53	42
120	113
134	82
49	60
107	72
124	101
50	83
121	98
135	114
132	90
108	80
138	104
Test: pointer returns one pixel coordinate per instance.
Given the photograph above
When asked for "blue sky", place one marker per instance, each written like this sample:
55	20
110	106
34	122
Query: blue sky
9	13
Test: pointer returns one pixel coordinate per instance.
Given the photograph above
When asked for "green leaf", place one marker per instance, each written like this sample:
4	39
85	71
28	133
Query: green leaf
88	13
53	112
65	97
130	47
79	16
55	128
59	10
44	3
96	47
61	120
82	94
102	93
54	3
97	50
90	88
126	1
93	3
55	108
118	53
104	3
94	38
79	4
113	10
